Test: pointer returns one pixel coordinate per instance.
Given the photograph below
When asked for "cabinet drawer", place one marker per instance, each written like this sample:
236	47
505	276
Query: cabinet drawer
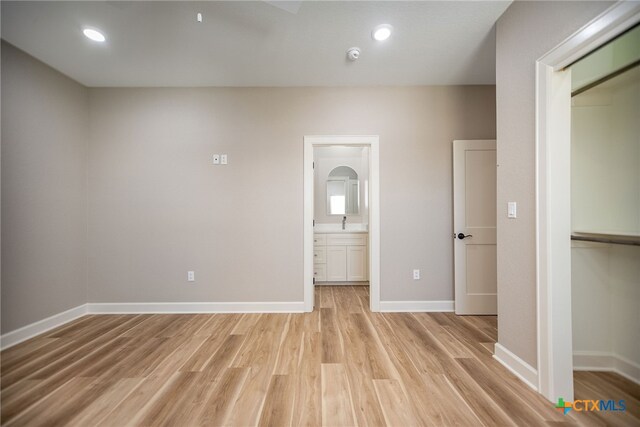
320	272
319	239
346	239
320	255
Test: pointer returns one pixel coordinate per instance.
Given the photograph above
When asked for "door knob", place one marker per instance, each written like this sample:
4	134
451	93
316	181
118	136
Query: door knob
462	236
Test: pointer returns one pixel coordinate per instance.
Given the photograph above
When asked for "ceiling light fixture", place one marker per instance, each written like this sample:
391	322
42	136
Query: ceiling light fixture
94	35
381	32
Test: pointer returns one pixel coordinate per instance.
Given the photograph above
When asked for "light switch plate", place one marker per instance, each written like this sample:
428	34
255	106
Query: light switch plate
223	159
512	210
216	159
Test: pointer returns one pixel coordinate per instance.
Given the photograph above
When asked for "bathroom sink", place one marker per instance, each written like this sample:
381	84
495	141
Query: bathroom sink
337	228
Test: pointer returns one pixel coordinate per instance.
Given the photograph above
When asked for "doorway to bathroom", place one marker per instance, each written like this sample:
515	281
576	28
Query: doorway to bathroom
341	214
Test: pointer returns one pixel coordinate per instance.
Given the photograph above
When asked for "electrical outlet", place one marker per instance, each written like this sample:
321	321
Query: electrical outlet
223	159
416	274
191	276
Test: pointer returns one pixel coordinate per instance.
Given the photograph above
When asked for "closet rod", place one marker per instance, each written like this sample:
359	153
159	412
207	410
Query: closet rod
606	240
605	78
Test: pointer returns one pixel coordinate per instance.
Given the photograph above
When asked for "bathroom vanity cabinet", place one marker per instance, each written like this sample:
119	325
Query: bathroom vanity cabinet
340	257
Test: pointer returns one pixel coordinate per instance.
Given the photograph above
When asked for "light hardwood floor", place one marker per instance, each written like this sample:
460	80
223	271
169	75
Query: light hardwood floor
340	365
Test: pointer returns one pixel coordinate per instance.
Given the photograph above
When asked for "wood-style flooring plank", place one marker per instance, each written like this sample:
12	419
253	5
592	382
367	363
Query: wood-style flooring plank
95	412
291	346
131	409
307	408
340	365
452	346
590	386
325	294
27	350
260	354
178	402
332	344
203	355
512	404
394	404
54	409
409	374
337	408
278	406
221	401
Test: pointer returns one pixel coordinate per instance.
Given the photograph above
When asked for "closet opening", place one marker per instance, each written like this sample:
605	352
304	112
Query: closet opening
605	221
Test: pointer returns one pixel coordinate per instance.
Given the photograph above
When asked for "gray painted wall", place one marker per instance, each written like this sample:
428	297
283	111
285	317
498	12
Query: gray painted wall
44	190
158	207
155	207
525	32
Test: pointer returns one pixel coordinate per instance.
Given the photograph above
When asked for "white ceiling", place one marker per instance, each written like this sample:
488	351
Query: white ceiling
260	43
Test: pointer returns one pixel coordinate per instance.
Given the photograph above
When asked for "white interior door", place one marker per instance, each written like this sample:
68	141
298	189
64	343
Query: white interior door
474	221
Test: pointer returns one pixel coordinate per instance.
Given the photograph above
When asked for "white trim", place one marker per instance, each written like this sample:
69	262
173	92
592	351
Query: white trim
19	335
372	141
553	139
517	366
416	306
41	326
608	362
608	25
553	245
195	307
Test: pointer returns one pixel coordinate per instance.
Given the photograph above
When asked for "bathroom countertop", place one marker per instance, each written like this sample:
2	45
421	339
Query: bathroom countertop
337	228
341	231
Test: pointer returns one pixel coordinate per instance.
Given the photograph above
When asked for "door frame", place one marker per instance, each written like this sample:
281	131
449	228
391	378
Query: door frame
553	187
371	141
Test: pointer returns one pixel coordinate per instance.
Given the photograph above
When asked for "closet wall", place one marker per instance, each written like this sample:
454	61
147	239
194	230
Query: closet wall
606	203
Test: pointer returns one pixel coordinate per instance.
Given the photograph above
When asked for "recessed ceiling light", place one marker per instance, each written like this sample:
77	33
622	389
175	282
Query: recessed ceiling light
94	35
381	32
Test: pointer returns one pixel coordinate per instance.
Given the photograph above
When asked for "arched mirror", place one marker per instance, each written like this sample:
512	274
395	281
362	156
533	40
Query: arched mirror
343	192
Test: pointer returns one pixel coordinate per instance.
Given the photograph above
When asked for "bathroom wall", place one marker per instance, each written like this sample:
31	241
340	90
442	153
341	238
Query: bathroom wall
45	132
158	207
328	158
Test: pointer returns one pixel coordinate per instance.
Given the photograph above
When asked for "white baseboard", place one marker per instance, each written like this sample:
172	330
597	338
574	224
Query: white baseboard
610	362
416	306
517	366
196	307
22	334
15	337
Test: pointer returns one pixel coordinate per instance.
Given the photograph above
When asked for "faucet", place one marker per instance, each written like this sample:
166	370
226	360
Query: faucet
344	220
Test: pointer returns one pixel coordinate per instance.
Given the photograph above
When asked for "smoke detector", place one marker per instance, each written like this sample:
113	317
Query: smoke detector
353	53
